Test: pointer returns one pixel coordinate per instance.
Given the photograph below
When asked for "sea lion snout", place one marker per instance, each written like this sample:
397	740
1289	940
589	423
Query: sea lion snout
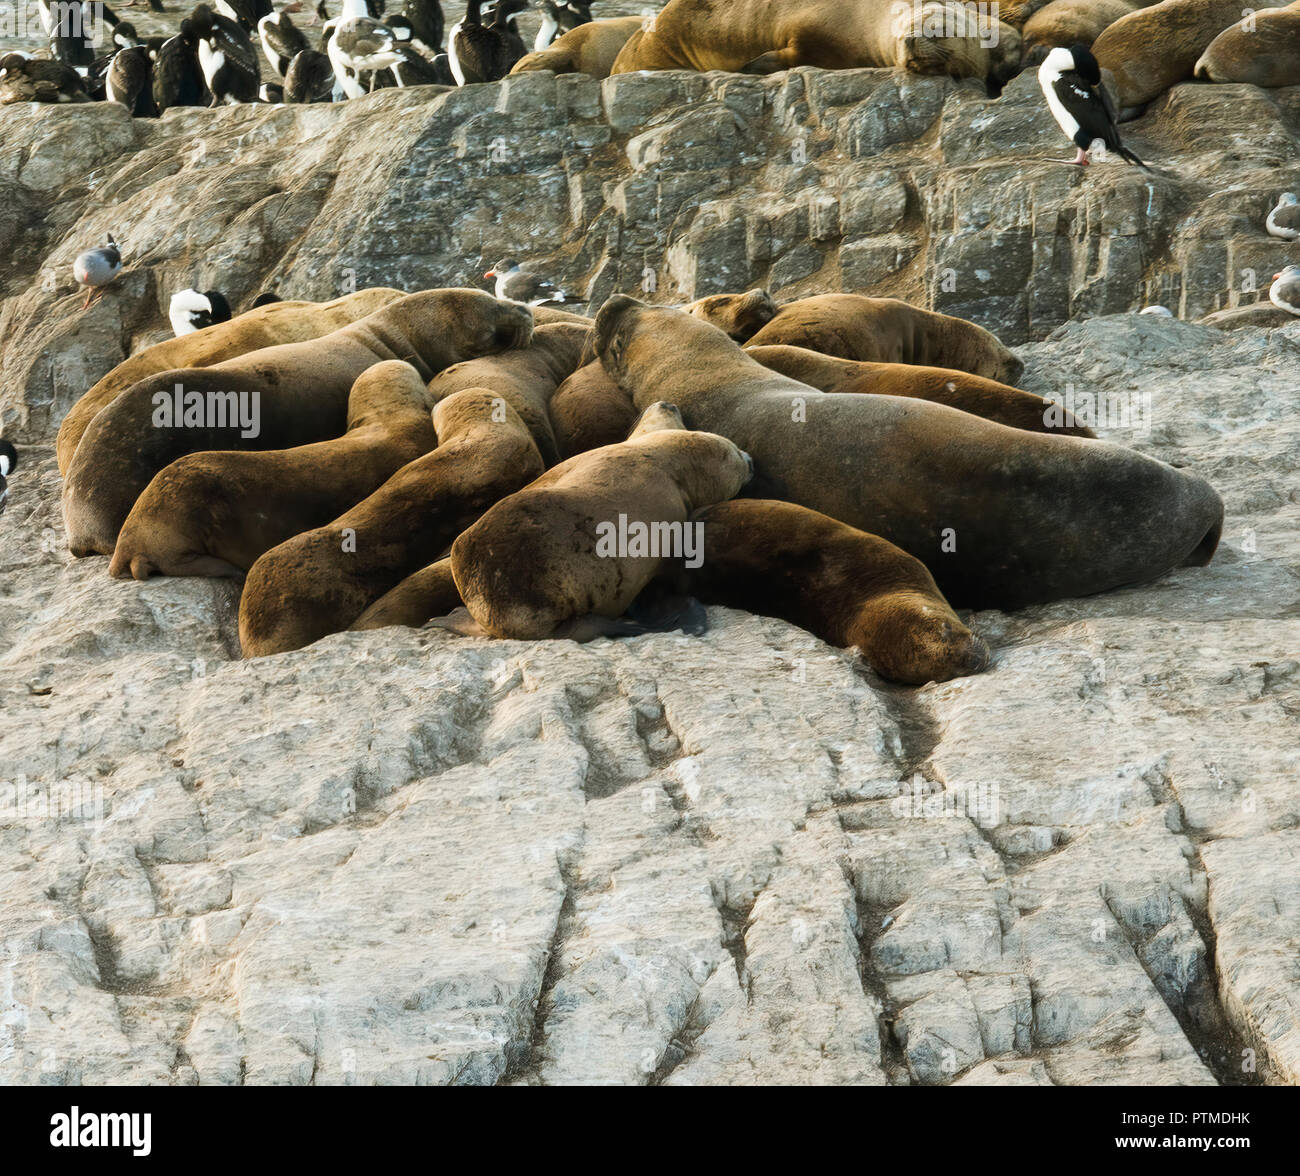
515	326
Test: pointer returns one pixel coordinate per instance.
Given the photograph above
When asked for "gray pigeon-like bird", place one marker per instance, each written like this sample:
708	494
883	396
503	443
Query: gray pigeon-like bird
96	268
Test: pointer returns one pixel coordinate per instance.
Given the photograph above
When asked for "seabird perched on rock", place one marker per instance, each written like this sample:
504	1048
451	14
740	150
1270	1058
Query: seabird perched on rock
130	81
72	31
177	75
309	78
282	41
517	286
1284	293
1284	220
1071	82
479	52
96	268
559	16
359	44
191	311
415	69
1158	311
37	79
227	58
125	36
427	24
8	463
247	14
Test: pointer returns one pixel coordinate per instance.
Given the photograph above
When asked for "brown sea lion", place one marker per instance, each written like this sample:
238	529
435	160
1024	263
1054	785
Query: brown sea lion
757	36
423	595
740	315
1001	517
589	49
586	537
843	585
886	330
1069	22
985	398
276	398
1262	49
525	378
321	581
1152	49
264	326
589	410
214	513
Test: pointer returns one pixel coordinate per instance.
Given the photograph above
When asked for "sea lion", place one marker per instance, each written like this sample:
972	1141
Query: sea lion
1000	516
589	49
1069	22
740	315
843	585
264	326
886	330
526	378
757	36
275	398
1154	48
1263	49
321	581
554	551
589	410
985	398
214	513
423	595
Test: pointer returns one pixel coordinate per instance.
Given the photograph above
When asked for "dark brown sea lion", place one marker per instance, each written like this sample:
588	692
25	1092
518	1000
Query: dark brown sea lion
586	537
758	36
215	513
589	410
847	587
275	398
886	330
423	595
264	326
1001	517
589	49
525	378
985	398
321	581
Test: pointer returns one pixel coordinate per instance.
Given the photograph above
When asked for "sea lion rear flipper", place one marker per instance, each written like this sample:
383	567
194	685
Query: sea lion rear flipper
458	621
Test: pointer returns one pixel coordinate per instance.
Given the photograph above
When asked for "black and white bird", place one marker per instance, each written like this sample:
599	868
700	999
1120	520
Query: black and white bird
96	268
247	14
125	36
515	284
309	78
130	81
8	463
191	311
484	52
559	17
227	58
37	79
1284	220
427	24
1284	293
177	76
359	44
415	69
1071	82
282	41
271	92
265	299
71	28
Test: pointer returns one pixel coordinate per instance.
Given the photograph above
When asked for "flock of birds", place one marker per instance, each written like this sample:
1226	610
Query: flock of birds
217	56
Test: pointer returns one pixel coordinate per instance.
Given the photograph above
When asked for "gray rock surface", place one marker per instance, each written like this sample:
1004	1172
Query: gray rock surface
403	856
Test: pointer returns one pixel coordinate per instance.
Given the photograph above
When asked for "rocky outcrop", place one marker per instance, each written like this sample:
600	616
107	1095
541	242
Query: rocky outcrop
676	185
403	856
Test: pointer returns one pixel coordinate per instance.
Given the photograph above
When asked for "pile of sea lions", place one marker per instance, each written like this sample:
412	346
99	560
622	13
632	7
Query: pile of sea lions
857	466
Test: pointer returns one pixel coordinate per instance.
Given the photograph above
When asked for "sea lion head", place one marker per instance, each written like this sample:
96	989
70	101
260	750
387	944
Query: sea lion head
912	637
955	40
740	315
614	323
473	322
